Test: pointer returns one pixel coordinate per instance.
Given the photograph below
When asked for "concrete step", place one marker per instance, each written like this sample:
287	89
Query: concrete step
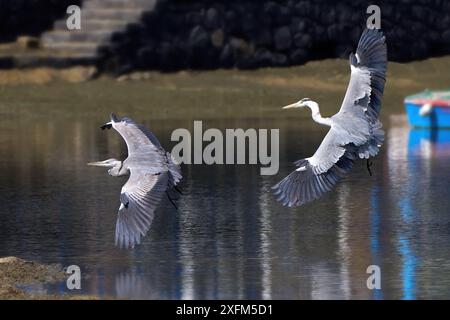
99	36
73	48
54	61
111	14
119	4
100	19
93	25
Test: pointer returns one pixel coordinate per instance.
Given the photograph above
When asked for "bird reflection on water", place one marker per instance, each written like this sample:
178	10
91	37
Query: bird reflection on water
250	247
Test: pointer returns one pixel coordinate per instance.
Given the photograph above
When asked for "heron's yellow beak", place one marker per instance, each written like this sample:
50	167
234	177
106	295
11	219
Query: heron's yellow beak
294	105
99	164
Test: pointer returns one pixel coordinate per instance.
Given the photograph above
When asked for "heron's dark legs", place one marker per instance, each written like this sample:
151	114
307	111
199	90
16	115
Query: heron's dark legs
369	164
177	190
173	203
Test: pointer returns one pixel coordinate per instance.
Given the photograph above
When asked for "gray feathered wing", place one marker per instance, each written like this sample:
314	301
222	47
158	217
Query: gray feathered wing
139	198
143	145
355	133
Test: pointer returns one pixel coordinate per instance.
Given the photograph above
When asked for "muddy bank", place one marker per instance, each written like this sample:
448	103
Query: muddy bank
46	75
16	272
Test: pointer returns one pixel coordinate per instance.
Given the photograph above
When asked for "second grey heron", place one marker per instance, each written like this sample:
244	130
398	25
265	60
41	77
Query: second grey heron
152	173
355	131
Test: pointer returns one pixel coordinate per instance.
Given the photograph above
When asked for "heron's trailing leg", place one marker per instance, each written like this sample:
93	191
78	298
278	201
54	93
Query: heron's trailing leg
177	190
173	203
369	164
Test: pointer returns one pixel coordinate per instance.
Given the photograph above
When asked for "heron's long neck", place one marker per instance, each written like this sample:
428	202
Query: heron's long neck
317	117
119	170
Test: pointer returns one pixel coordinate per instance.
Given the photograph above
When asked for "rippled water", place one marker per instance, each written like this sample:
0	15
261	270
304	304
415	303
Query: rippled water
229	238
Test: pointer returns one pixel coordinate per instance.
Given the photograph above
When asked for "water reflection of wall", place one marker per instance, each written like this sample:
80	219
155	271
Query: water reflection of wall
229	238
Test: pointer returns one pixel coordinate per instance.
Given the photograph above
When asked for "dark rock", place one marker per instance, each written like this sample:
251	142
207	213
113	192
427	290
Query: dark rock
198	38
125	68
212	20
282	38
298	56
283	16
419	50
446	36
249	26
303	8
418	13
240	47
387	10
171	57
332	32
217	38
359	17
302	40
194	18
328	17
263	57
343	51
319	34
343	12
263	38
246	63
226	58
265	19
298	25
271	8
232	25
147	57
280	60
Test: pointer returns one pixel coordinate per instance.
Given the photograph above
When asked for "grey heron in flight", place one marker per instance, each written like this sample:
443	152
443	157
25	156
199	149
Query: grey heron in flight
152	173
355	131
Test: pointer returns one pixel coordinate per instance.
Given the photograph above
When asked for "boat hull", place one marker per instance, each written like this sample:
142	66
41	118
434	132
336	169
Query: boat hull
439	117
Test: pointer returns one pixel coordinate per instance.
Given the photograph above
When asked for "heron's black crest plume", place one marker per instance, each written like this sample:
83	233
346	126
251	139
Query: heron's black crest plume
106	126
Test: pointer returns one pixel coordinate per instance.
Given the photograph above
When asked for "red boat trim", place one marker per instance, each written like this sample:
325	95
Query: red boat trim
434	103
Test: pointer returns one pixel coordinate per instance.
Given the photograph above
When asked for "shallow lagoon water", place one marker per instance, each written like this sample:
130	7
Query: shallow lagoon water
229	238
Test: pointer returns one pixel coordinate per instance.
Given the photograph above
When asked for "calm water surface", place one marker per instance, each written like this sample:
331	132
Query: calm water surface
229	238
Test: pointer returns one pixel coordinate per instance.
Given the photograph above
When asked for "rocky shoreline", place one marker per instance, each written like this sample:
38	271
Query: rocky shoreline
249	34
213	34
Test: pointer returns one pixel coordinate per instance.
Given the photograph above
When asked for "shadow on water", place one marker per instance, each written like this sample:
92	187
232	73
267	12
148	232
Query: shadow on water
230	238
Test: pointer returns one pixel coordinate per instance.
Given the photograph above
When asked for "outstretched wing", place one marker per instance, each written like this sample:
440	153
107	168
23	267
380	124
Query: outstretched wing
136	136
139	198
362	102
315	175
303	185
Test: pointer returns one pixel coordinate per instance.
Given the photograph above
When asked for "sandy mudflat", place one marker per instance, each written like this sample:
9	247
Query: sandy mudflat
15	272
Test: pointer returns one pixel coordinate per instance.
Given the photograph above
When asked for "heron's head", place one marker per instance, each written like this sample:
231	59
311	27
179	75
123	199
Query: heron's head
113	164
299	104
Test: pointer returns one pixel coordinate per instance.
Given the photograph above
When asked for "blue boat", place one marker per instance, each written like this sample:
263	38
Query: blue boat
429	109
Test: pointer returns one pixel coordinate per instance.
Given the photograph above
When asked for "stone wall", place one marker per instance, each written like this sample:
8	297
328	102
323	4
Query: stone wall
206	34
29	17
